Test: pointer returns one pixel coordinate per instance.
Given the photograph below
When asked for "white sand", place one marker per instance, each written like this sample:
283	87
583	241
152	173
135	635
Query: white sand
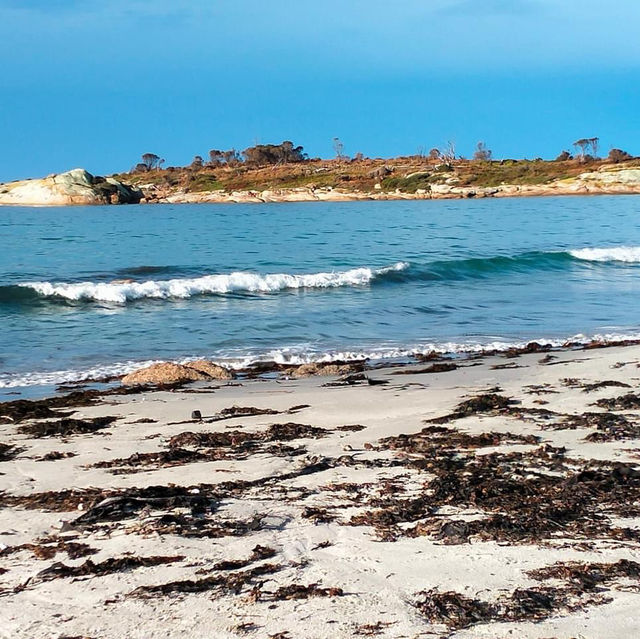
380	579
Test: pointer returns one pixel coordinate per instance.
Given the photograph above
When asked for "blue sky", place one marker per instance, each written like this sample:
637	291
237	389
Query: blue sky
96	84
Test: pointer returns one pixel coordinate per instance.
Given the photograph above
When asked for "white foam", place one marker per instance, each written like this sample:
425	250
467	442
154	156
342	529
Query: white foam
300	355
629	254
121	292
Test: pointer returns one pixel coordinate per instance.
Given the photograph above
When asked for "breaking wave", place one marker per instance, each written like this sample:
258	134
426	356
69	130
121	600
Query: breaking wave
122	291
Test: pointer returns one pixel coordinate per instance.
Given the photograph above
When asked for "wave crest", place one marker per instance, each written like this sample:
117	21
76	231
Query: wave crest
629	254
120	292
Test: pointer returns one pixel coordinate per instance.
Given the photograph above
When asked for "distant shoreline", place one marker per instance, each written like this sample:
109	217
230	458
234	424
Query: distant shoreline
330	181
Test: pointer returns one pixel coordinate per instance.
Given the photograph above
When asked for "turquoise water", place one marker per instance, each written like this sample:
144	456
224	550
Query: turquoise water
296	282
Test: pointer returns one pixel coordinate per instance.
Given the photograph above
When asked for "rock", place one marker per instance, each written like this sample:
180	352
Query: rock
164	373
73	187
315	368
170	373
212	370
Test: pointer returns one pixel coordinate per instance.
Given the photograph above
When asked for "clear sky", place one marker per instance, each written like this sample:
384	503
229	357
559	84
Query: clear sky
97	83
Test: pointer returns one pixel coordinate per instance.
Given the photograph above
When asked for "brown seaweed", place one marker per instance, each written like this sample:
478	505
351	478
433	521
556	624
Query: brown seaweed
66	426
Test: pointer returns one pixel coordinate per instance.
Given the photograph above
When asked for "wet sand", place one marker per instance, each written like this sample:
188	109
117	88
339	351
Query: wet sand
497	499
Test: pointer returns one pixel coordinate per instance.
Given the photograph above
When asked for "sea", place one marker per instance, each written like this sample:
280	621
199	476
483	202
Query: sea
87	292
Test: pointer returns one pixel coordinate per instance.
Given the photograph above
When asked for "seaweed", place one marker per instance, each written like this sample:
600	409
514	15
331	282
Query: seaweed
66	426
588	576
486	403
9	452
49	547
439	367
629	401
233	583
107	567
524	604
298	591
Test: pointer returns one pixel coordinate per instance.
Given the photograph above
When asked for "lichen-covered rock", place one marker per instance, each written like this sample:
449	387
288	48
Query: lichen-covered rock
73	187
315	368
212	370
164	373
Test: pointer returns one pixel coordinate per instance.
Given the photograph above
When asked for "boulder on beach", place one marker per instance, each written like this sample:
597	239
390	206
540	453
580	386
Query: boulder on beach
73	187
316	368
212	370
170	373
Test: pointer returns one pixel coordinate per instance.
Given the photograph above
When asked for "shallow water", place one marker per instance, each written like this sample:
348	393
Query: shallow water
294	282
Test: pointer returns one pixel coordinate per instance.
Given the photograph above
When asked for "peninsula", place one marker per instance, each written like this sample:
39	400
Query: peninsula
339	179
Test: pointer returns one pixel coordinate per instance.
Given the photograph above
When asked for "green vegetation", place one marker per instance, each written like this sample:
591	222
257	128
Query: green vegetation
410	183
521	172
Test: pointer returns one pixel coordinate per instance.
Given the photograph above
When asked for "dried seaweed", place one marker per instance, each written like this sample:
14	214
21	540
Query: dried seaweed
22	409
299	591
524	604
107	567
55	455
9	452
589	388
259	553
439	367
49	547
525	496
486	403
232	583
351	428
66	426
629	401
589	576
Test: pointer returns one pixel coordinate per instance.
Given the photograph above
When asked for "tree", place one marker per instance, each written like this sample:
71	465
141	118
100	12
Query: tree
216	157
151	161
564	156
482	153
435	154
264	154
448	154
618	155
197	163
583	144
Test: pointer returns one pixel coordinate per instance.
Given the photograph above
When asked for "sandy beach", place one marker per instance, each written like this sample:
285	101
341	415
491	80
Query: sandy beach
497	497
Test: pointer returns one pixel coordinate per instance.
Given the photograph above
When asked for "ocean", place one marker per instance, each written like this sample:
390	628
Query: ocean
92	291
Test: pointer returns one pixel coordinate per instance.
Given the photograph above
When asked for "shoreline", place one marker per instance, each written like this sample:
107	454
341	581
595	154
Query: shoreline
411	181
333	506
269	368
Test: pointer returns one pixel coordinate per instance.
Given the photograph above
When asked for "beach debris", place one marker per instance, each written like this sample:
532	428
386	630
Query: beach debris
55	455
196	415
66	426
354	428
9	452
589	576
485	403
377	382
629	401
231	583
457	611
259	553
354	379
298	591
109	566
372	629
438	367
49	547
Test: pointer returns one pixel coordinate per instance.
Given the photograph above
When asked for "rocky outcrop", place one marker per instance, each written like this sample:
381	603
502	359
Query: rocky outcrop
73	187
212	370
170	373
315	368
